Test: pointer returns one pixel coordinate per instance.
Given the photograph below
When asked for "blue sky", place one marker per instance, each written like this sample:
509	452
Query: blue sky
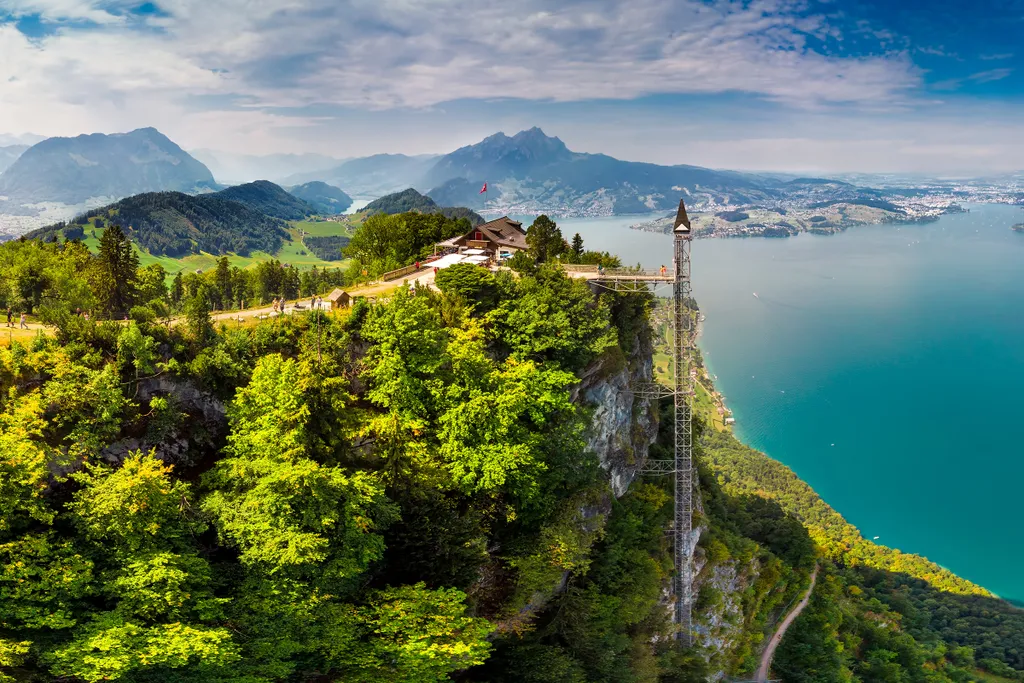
845	85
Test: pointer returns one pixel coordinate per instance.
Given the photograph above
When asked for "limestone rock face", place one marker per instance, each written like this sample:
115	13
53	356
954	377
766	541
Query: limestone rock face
623	426
205	426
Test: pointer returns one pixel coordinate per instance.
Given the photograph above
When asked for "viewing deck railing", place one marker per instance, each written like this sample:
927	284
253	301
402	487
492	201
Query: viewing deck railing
595	273
407	270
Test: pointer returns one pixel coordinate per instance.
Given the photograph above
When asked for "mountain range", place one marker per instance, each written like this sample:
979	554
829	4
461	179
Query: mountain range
532	172
529	172
10	154
74	170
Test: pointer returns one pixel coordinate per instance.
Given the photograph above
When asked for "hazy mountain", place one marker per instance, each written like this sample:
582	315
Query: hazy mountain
373	176
326	199
74	170
498	157
459	191
268	198
531	171
10	154
26	140
240	168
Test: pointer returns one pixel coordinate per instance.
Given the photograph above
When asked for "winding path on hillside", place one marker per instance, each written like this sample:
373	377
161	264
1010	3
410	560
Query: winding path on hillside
423	276
769	652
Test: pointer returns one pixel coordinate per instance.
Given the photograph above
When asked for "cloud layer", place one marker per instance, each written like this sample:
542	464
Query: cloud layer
400	53
257	76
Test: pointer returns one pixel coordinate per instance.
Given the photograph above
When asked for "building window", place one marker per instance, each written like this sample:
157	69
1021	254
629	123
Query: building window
479	236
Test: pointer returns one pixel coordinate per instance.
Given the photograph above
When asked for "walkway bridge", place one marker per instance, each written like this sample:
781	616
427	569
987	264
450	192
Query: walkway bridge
621	279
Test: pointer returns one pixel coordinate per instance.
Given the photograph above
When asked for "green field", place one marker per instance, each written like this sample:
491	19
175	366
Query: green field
323	228
292	252
705	405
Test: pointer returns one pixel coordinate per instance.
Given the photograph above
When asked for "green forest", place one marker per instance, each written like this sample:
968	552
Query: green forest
409	490
176	224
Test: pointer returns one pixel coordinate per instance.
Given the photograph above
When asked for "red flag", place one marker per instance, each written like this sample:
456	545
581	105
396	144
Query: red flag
483	189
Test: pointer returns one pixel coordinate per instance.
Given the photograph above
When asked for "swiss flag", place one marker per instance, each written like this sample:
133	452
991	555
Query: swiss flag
483	189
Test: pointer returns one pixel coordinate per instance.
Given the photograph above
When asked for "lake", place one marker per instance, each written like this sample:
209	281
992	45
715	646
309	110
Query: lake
885	365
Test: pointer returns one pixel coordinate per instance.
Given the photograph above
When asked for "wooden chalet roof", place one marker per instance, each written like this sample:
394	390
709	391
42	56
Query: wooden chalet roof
504	231
336	295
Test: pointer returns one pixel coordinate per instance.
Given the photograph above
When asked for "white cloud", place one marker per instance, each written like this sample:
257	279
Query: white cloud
390	53
990	75
214	73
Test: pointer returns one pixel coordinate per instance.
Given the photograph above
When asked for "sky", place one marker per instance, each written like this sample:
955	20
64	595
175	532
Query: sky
919	86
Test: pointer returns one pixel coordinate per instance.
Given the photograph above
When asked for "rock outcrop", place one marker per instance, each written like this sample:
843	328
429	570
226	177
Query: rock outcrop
623	425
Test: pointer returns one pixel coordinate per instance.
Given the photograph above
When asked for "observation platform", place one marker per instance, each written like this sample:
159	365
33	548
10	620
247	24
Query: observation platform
619	274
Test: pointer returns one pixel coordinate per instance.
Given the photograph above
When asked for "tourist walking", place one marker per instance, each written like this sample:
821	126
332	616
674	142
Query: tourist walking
24	325
10	317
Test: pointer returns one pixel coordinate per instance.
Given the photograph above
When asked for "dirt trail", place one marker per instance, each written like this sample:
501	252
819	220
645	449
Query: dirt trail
769	652
425	277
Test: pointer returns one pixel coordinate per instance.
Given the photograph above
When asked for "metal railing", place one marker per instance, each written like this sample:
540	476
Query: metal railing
668	275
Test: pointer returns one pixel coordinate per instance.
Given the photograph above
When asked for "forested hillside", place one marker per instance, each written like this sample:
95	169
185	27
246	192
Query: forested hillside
270	199
411	200
176	224
435	485
930	603
326	199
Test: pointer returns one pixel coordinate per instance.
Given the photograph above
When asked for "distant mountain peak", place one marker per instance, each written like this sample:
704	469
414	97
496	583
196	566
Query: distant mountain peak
497	137
499	156
76	169
534	133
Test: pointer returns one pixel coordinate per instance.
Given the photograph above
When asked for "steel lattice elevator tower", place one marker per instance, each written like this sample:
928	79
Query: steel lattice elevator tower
683	337
682	323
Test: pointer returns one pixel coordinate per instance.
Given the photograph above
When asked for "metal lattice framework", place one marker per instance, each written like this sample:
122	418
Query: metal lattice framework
681	466
682	341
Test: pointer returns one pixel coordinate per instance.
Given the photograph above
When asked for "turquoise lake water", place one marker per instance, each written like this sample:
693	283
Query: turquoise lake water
885	365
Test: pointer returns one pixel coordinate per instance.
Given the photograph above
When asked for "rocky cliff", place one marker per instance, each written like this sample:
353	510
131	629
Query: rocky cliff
623	425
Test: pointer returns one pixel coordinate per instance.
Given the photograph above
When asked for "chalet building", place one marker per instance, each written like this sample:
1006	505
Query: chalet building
339	299
502	236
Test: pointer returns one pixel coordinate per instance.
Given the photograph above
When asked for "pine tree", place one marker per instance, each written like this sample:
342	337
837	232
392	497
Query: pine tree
197	311
117	272
577	248
223	278
177	289
545	239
